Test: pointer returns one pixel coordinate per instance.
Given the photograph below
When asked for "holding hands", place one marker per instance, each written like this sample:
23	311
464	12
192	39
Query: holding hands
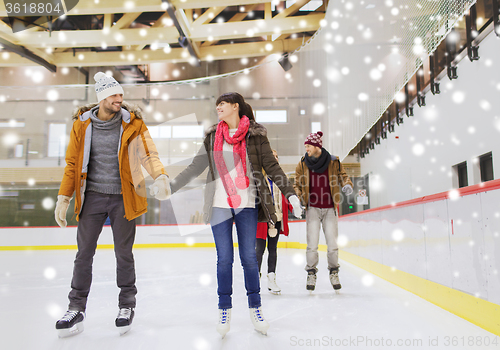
160	189
297	208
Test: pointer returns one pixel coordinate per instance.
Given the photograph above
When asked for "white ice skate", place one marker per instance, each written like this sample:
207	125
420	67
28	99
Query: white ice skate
70	324
271	283
334	280
311	280
124	319
224	322
259	323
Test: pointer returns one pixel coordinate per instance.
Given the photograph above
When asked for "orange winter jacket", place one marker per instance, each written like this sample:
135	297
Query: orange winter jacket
136	148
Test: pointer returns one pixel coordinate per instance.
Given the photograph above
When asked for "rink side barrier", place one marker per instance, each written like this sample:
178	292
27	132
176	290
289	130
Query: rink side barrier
285	245
445	248
147	236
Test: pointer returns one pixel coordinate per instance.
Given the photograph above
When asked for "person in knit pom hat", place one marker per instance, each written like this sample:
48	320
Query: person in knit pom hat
236	150
106	86
108	144
319	177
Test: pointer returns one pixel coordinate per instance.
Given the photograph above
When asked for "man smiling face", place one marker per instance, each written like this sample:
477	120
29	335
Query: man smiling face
112	104
313	151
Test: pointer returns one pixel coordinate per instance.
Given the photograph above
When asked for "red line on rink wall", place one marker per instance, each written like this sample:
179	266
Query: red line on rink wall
464	191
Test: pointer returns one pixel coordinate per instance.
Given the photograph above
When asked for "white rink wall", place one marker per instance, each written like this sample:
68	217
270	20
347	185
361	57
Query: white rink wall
457	125
453	242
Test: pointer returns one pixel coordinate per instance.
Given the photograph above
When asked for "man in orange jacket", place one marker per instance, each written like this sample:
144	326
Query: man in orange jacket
108	144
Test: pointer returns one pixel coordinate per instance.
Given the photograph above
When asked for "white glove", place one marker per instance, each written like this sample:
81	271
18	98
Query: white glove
272	231
160	189
347	189
61	209
297	208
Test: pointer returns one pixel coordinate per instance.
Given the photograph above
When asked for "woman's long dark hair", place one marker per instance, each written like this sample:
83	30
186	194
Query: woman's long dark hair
234	97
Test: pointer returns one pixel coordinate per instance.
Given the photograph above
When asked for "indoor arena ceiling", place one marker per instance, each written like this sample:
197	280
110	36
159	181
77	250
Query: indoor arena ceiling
139	32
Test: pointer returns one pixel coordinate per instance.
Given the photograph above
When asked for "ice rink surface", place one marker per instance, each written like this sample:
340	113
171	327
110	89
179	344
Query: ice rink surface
177	307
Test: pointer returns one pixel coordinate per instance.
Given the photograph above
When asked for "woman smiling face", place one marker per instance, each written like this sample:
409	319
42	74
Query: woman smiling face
228	112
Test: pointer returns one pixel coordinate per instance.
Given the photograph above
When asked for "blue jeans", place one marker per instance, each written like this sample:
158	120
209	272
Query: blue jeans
246	229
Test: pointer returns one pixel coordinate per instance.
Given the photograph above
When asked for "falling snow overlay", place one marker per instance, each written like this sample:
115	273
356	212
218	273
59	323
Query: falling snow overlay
422	226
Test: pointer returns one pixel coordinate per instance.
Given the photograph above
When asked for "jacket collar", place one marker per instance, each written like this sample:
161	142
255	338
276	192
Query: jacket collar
129	112
334	158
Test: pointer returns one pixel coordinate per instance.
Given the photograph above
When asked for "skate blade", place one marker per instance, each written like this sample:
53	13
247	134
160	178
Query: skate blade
223	334
337	291
274	292
68	332
261	332
123	329
222	331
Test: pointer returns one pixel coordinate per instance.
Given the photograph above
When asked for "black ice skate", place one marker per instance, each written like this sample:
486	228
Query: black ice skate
334	279
124	319
311	280
71	323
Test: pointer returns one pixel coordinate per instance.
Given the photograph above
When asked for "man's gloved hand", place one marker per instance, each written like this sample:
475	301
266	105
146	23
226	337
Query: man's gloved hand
297	208
160	189
61	209
347	189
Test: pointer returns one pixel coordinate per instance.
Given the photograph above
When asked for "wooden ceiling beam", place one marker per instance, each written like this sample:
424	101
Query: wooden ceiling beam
7	35
108	21
242	15
236	18
160	22
268	15
218	52
292	9
208	15
224	31
197	4
229	31
126	20
95	38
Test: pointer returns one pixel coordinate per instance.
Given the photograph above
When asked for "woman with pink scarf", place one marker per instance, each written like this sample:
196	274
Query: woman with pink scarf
236	150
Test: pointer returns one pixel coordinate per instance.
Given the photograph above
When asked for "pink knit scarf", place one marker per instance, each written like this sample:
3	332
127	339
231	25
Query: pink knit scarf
240	159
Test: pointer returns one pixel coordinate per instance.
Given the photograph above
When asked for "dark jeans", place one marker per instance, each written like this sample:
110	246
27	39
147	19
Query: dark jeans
246	230
96	208
272	250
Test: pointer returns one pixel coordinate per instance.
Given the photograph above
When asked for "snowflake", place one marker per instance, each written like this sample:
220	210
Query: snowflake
368	280
50	273
397	235
205	279
418	149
